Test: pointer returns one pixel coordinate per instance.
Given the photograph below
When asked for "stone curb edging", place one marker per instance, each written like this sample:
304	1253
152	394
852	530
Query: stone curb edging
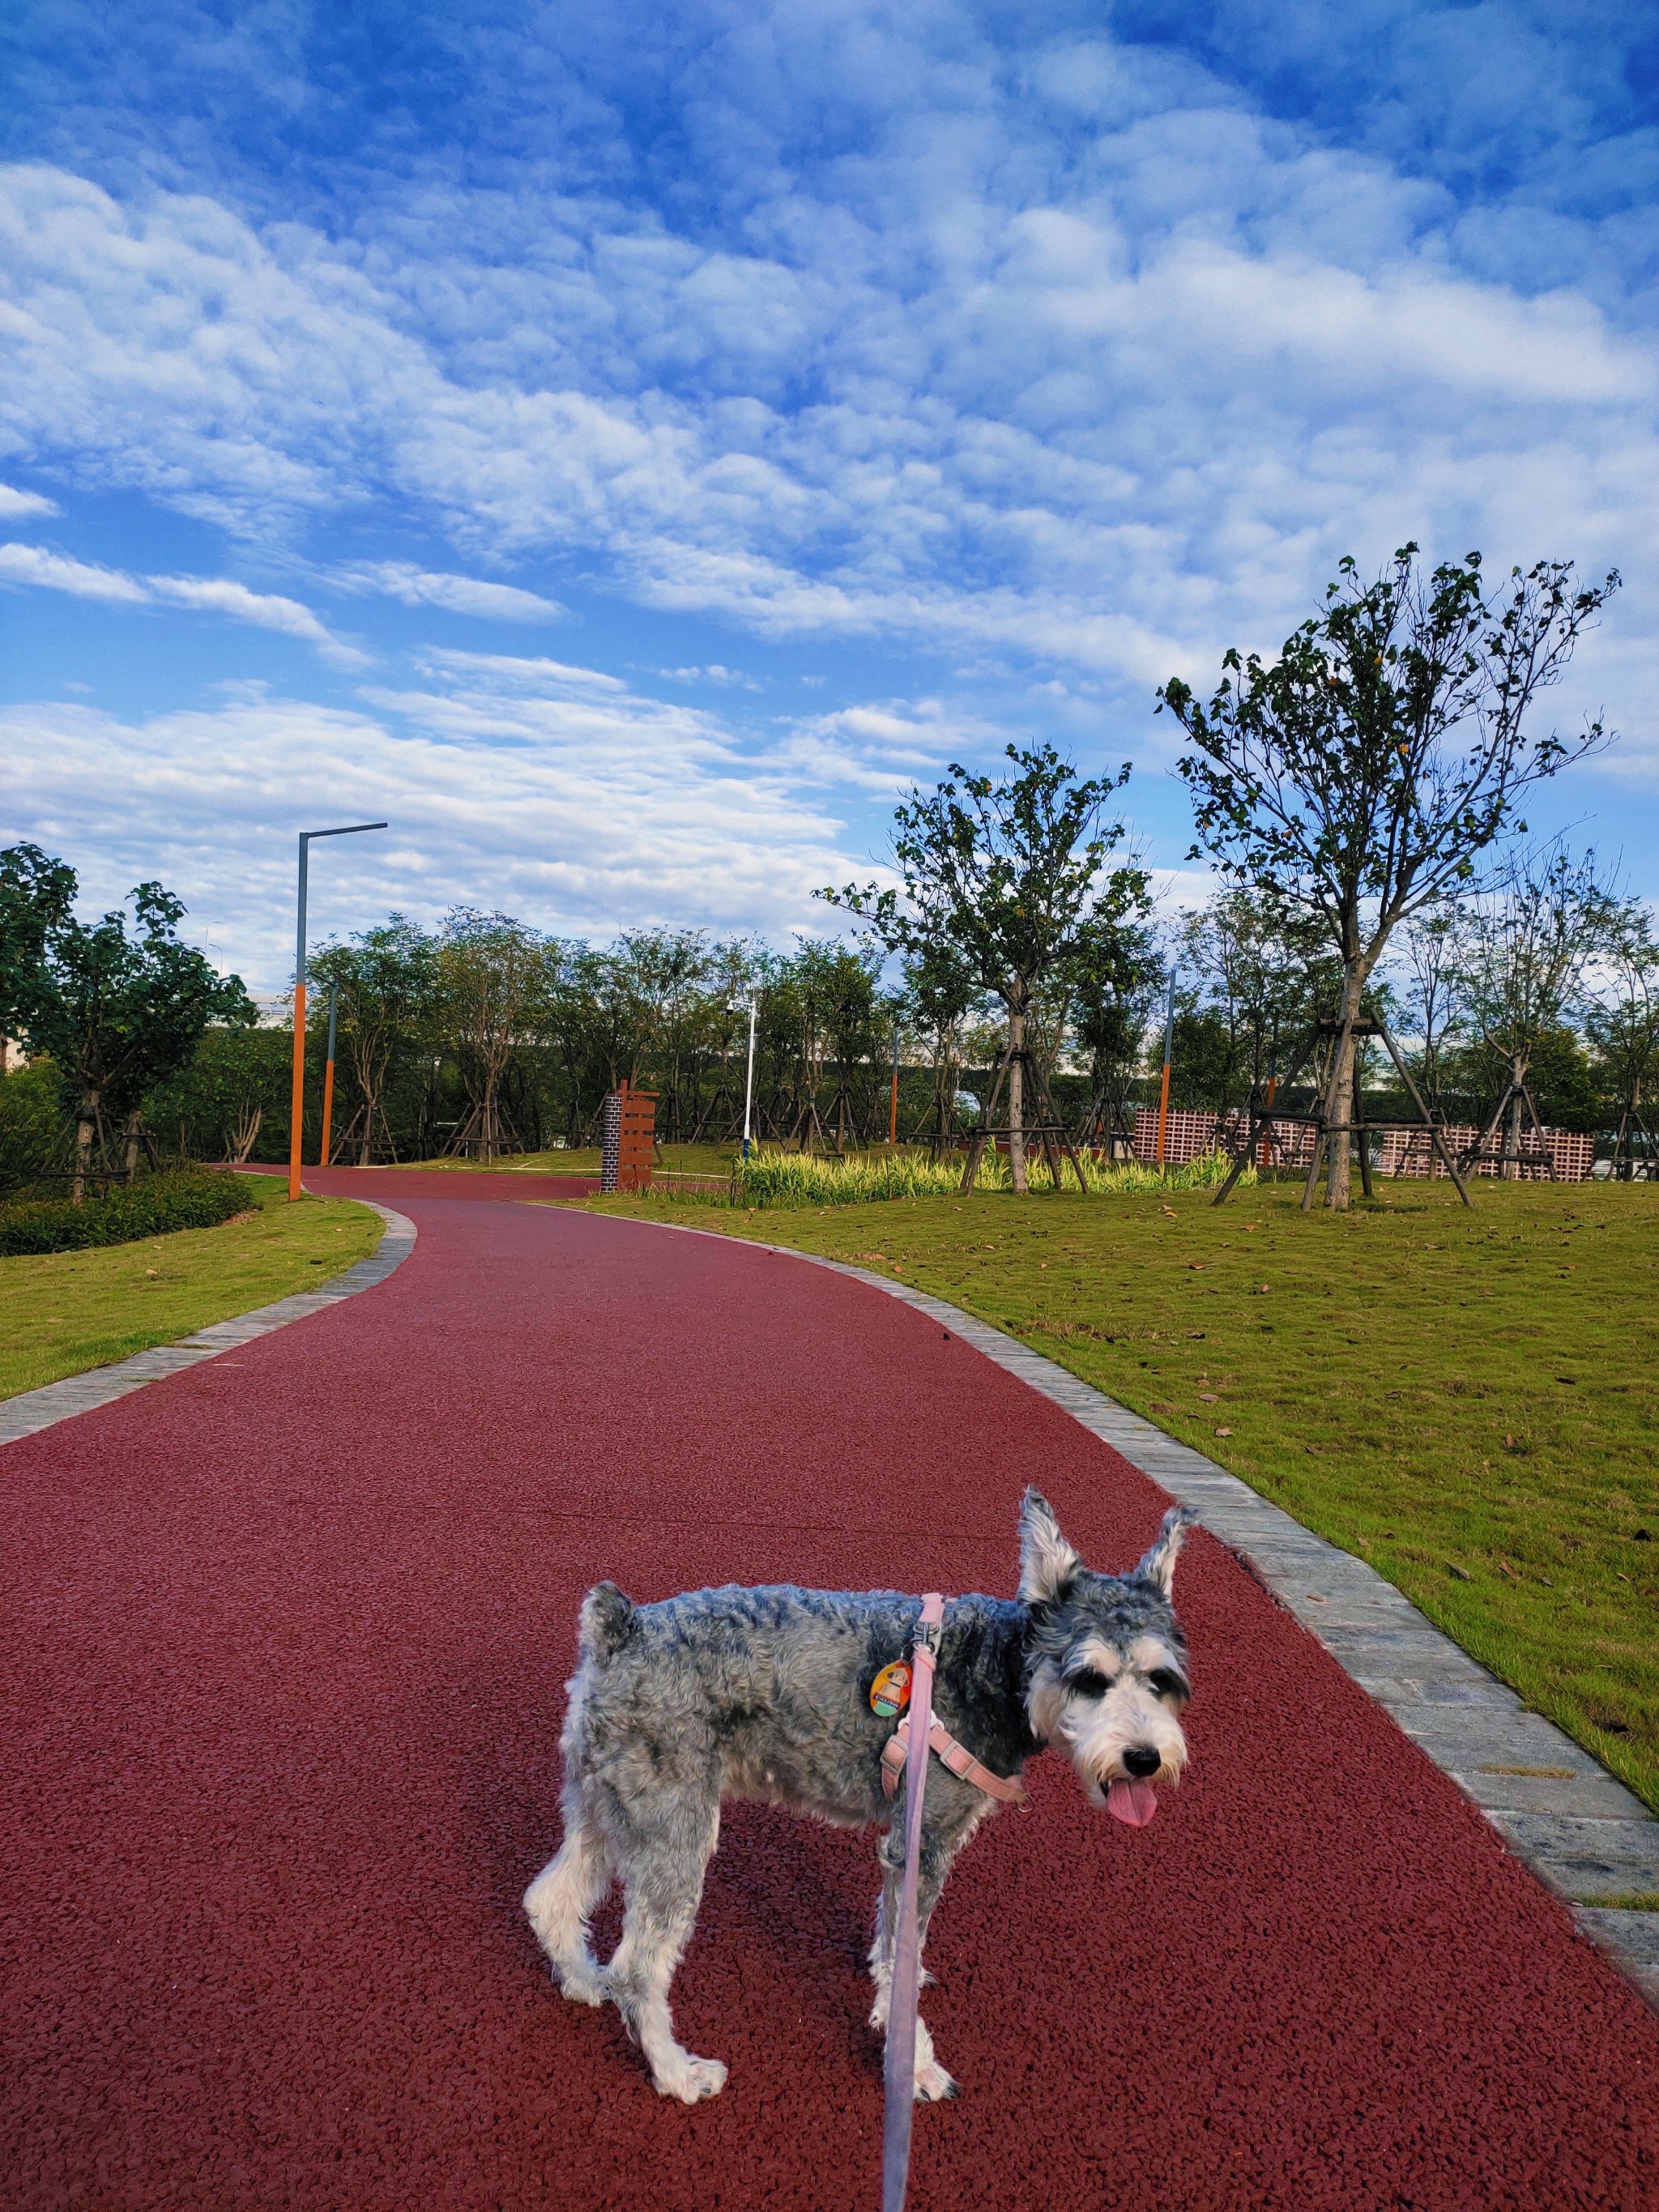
32	1411
1578	1828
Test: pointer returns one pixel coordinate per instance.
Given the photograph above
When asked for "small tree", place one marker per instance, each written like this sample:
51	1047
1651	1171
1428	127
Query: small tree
1521	958
1007	874
388	979
118	1014
940	995
1119	976
494	980
1623	1026
1429	978
1262	972
1361	775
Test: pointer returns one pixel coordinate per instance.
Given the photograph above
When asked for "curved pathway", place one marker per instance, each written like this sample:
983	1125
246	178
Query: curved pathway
284	1641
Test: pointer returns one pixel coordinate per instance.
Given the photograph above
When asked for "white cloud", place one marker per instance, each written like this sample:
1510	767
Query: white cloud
55	572
84	579
14	504
715	673
264	609
572	800
464	595
1111	415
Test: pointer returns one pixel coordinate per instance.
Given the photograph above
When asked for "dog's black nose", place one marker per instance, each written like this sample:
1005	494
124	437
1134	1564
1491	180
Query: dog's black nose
1141	1760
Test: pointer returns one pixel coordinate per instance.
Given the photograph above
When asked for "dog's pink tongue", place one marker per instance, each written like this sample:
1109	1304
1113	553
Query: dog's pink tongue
1132	1802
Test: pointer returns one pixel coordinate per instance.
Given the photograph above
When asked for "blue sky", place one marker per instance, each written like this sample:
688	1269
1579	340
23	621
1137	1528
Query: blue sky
626	452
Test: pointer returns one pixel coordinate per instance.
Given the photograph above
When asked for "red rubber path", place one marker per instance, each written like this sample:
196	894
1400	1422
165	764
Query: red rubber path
284	1643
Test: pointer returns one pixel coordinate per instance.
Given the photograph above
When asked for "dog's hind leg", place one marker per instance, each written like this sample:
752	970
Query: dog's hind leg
561	1901
664	1880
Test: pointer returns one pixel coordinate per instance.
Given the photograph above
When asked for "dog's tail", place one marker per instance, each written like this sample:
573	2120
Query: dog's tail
607	1621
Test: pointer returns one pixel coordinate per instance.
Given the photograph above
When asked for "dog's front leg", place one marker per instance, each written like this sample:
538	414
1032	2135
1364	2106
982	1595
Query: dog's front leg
932	2081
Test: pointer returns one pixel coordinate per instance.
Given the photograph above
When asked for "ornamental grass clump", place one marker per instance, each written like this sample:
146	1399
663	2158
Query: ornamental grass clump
802	1179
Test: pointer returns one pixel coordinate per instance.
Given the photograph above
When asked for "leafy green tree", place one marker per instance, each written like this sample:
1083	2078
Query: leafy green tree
1007	872
31	1123
36	899
940	994
388	981
1119	979
234	1087
494	987
117	1013
1358	777
1521	955
1624	1023
1263	973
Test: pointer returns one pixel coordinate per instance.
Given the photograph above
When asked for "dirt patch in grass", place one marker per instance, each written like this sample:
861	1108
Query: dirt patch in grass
63	1312
1468	1402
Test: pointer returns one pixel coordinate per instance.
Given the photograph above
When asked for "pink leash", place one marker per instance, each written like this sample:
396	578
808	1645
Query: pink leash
901	2071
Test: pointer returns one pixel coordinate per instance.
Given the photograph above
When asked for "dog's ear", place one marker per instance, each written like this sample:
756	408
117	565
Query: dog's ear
1046	1561
1158	1565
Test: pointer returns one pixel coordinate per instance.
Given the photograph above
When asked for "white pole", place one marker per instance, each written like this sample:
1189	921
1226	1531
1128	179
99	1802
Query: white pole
748	1087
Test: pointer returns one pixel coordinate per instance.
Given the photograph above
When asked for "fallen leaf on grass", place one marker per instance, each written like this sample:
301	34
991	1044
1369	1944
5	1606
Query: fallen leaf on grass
1461	1573
1224	1432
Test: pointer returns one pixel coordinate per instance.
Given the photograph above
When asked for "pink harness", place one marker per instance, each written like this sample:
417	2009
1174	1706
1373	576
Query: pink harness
906	1752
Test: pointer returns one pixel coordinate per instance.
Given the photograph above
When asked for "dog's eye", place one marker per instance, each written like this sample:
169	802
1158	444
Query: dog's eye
1162	1683
1087	1682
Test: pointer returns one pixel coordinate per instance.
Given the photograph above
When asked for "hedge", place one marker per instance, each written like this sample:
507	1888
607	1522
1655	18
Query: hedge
150	1208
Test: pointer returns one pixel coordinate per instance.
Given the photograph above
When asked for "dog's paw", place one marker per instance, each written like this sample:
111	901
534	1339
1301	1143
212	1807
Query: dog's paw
933	2083
581	1983
692	2080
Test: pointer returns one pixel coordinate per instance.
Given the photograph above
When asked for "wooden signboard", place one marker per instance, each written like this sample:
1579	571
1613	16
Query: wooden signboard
627	1140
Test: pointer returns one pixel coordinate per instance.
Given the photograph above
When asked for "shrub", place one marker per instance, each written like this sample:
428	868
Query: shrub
795	1179
151	1207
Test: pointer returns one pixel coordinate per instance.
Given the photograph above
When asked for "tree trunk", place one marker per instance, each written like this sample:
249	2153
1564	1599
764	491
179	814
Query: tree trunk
487	1123
1017	1099
1511	1168
1339	1097
85	1121
129	1165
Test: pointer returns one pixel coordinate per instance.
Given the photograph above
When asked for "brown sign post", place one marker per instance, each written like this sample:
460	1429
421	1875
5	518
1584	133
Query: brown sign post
627	1140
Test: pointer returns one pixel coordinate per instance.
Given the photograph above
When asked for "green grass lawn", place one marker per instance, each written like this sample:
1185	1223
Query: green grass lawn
67	1311
1470	1401
684	1159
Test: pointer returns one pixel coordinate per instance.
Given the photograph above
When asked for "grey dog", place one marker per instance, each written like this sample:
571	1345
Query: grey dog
765	1694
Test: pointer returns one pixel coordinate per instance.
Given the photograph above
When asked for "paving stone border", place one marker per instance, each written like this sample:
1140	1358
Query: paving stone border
1579	1829
32	1411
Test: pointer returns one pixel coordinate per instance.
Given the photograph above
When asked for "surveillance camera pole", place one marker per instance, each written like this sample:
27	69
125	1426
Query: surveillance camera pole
296	1128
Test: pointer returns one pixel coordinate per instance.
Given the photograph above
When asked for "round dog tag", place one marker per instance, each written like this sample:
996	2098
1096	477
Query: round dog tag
890	1694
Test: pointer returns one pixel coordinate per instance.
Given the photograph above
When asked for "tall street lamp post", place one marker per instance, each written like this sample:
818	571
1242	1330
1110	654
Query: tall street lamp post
748	1085
297	1129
